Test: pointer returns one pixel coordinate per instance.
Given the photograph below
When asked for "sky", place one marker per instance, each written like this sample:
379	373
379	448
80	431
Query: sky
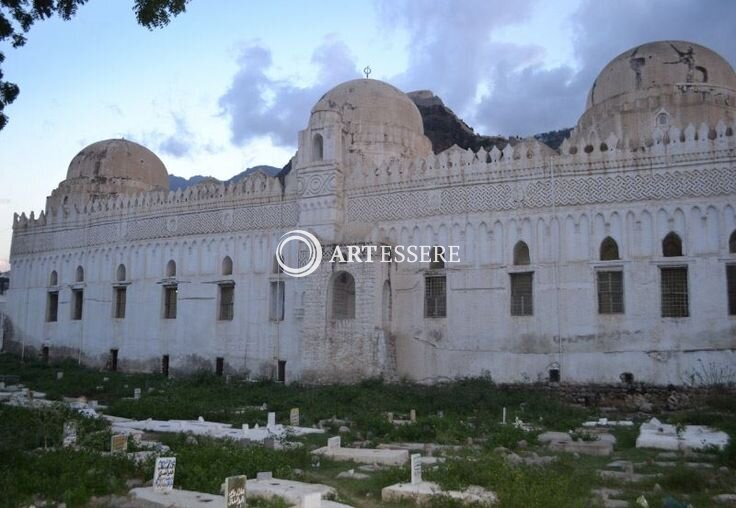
228	84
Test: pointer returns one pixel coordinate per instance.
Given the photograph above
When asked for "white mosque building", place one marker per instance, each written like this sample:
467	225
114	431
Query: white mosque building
613	257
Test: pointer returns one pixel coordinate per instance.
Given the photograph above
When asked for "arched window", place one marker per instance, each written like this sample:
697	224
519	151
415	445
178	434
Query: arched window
671	245
343	296
54	278
227	266
317	147
437	261
609	249
732	243
79	274
521	253
276	266
171	268
386	307
121	273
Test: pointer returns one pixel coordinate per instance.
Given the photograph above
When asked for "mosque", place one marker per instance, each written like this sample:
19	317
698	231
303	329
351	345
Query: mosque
611	258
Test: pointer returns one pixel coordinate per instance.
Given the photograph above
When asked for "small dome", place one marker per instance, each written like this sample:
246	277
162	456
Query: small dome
657	86
661	64
378	121
119	159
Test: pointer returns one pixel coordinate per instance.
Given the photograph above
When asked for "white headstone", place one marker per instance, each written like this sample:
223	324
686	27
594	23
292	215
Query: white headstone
136	393
311	500
503	416
271	420
163	475
413	415
416	468
294	417
59	375
70	434
235	491
390	417
333	442
119	443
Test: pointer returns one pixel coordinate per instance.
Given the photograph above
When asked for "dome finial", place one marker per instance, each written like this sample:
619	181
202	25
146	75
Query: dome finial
367	71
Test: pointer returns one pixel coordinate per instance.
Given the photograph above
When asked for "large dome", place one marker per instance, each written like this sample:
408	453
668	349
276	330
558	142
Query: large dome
659	85
119	159
372	101
662	64
377	122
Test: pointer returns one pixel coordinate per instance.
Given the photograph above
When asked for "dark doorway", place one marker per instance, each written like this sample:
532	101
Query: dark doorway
554	375
281	374
45	355
114	360
165	365
219	365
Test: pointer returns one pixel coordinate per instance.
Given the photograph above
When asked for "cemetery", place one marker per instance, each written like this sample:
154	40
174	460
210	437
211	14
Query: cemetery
74	436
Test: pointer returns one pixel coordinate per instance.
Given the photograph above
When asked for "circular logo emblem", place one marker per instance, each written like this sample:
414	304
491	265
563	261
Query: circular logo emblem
315	252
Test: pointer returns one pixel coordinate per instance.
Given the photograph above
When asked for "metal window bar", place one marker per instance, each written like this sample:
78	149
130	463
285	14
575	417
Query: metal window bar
522	294
731	283
226	302
170	297
674	292
120	301
610	292
435	296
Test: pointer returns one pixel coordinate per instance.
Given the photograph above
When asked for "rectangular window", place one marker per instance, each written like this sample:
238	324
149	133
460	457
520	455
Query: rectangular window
731	283
674	292
521	294
277	301
435	296
227	295
52	309
77	302
120	299
611	292
170	296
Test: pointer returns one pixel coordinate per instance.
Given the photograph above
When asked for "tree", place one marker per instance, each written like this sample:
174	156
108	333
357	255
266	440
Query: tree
18	16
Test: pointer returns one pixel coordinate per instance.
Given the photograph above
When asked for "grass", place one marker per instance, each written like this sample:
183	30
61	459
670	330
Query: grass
33	466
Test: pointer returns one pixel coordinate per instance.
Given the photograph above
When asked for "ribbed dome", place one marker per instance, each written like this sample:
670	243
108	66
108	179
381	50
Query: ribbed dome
661	64
119	159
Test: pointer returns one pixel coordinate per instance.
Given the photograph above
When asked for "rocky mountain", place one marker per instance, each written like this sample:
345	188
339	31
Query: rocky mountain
178	182
444	128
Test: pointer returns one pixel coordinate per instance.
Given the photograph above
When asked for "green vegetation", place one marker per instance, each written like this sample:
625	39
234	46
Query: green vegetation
465	413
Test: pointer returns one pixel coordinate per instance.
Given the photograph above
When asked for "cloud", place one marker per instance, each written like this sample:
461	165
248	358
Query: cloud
181	142
498	87
258	105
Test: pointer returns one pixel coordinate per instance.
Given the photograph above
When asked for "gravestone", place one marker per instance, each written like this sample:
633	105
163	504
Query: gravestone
137	393
59	375
119	443
413	415
294	417
69	436
235	491
227	382
163	474
271	420
390	417
333	443
264	475
503	416
416	468
2	385
269	443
